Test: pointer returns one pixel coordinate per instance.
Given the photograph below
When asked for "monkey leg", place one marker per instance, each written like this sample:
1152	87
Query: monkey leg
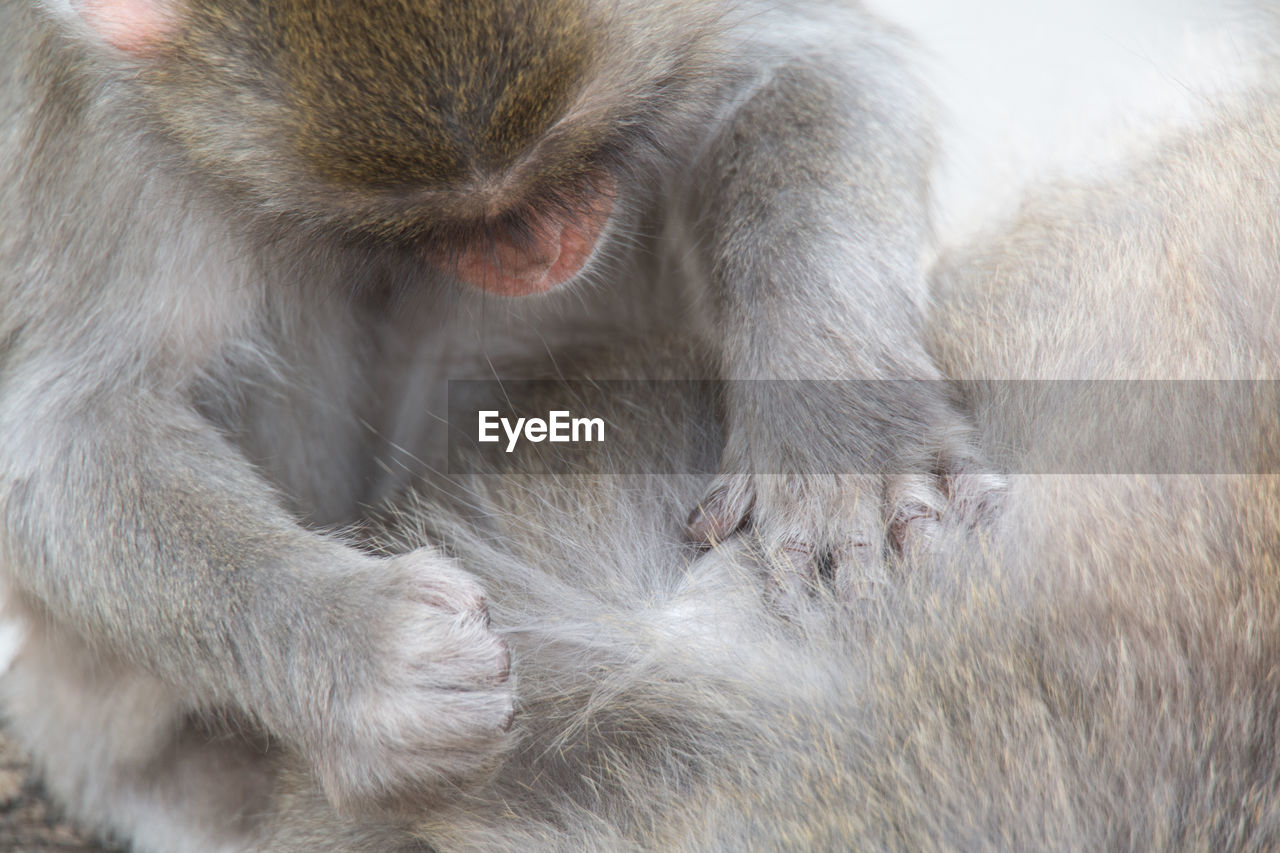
129	754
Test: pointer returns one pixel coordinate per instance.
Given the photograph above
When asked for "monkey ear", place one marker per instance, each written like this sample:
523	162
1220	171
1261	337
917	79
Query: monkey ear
133	26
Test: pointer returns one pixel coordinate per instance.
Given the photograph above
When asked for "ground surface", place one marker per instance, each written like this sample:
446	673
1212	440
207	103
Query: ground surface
28	822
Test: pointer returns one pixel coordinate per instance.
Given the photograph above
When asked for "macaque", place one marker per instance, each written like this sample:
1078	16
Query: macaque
245	245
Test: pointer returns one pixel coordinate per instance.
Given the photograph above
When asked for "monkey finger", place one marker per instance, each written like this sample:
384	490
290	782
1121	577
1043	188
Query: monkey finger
724	511
438	583
915	509
975	493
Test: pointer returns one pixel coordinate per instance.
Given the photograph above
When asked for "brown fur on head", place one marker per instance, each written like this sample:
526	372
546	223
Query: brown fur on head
438	125
387	93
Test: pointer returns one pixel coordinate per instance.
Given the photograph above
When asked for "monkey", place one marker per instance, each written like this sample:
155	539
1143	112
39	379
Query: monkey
1093	667
245	245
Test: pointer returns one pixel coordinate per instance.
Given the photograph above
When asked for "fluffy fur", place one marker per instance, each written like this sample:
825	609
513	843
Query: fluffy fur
1090	666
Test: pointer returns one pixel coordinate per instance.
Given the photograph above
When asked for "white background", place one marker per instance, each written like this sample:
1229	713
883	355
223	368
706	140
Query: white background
1034	90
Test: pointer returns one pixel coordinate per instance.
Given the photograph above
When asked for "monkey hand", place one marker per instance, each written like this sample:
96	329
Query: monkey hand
830	511
437	703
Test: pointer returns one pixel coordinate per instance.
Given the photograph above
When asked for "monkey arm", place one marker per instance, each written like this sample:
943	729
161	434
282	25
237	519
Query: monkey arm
136	524
817	229
131	522
820	232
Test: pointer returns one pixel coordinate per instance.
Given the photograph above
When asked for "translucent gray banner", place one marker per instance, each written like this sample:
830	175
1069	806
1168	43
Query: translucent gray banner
1020	426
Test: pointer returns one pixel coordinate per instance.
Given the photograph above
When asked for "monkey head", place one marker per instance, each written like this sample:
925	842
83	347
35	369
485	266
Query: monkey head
493	137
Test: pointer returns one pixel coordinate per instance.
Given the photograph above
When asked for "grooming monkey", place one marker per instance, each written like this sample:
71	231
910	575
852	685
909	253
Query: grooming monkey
1094	669
245	244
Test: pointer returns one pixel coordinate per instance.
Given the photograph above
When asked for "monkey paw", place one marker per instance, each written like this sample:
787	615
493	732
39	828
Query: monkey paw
440	704
839	533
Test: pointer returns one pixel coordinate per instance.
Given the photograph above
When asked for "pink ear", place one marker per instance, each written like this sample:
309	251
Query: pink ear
134	26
